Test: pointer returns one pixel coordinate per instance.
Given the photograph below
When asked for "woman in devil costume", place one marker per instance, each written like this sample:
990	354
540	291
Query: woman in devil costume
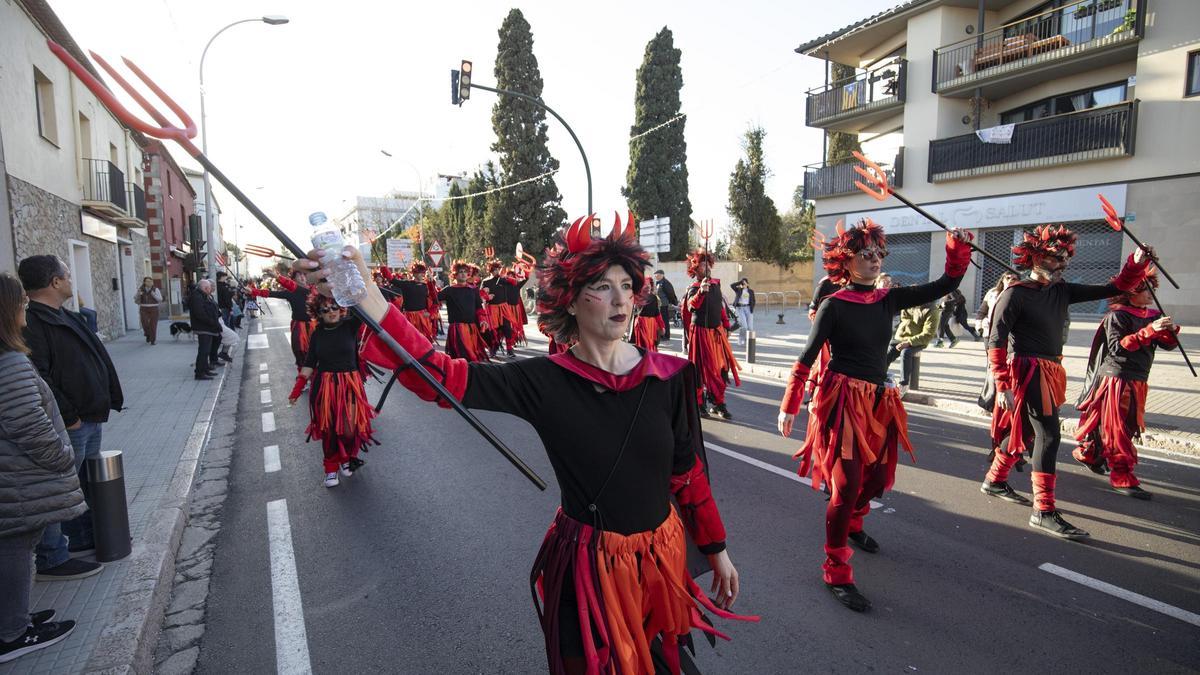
414	299
498	310
340	414
466	313
1032	384
855	422
649	325
515	280
296	292
707	327
610	583
1113	402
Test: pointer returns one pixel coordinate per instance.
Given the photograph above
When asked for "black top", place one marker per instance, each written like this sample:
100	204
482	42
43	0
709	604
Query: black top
582	430
334	350
1118	361
651	307
708	315
462	303
224	296
666	294
203	313
73	361
859	334
825	288
512	290
414	293
1036	315
495	287
298	299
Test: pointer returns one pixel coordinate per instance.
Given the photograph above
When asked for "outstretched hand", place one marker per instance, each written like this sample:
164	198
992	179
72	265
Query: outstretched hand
1143	253
313	267
785	423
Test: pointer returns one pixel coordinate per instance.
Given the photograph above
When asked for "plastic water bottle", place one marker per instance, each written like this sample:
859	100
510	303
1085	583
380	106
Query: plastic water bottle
347	284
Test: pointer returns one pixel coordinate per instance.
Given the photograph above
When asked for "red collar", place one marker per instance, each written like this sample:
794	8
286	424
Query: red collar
861	297
653	364
1139	312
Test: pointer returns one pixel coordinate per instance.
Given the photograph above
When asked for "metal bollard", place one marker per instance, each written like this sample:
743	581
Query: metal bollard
110	517
750	346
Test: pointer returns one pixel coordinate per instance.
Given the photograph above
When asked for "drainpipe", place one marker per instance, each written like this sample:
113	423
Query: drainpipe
979	17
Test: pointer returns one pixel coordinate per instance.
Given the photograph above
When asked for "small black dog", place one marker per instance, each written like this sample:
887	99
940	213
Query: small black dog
178	327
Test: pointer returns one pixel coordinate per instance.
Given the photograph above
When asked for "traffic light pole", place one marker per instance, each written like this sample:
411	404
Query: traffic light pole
539	103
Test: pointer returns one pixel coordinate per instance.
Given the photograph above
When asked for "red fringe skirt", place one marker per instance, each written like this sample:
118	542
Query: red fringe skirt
645	332
464	341
1117	410
421	321
709	349
1052	384
339	408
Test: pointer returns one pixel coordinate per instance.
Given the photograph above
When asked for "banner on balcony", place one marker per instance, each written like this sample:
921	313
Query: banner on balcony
998	134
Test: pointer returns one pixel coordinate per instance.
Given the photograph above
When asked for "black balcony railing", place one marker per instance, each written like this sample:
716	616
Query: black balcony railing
137	201
105	183
869	90
1098	133
1037	38
829	179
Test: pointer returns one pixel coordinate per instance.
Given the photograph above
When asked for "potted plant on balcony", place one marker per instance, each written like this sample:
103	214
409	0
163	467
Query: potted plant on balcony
1128	22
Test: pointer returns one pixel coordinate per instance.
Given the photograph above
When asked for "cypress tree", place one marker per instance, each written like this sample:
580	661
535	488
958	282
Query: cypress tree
480	231
757	227
841	143
534	207
657	179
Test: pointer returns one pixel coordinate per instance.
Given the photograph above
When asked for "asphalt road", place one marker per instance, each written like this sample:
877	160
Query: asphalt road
419	563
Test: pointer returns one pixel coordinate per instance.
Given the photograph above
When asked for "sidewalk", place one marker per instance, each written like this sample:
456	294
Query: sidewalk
161	435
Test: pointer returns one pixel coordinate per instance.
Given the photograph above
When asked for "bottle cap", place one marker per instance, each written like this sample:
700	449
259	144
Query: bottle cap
317	218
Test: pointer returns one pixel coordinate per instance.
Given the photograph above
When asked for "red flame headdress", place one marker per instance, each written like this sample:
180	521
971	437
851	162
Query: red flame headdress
1044	240
694	259
841	249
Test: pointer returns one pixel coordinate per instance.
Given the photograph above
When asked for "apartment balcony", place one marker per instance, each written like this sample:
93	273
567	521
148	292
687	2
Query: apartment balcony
1071	39
104	189
135	198
1083	136
854	104
831	179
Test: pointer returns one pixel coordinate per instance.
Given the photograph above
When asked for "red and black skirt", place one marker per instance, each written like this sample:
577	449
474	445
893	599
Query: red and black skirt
464	341
339	409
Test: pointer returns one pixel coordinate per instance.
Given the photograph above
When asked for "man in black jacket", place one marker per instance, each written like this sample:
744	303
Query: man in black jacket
206	326
666	301
224	297
73	361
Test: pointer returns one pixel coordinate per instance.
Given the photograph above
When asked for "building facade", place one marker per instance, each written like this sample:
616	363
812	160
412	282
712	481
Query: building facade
73	172
170	206
371	216
1001	115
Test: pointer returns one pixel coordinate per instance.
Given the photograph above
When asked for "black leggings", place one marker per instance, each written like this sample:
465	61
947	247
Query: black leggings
1042	433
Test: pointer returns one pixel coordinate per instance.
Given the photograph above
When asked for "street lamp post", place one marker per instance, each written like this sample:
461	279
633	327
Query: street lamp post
420	194
209	225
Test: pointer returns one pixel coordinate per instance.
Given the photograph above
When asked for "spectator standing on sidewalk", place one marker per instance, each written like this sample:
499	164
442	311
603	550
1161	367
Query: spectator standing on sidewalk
148	298
225	298
75	364
667	301
983	317
743	304
954	308
206	326
913	335
38	484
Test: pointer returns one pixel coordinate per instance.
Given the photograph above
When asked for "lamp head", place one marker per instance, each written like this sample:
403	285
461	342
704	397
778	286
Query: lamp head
275	20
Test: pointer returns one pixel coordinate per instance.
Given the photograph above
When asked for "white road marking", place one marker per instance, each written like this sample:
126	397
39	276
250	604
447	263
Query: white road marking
262	366
264	378
792	475
271	458
268	422
264	396
291	639
278	327
260	327
1116	591
288	337
257	341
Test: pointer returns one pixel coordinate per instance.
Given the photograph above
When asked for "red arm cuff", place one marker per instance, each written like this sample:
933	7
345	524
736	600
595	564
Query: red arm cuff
260	293
298	388
1168	338
1139	339
1131	274
287	283
793	395
450	372
700	515
998	360
958	255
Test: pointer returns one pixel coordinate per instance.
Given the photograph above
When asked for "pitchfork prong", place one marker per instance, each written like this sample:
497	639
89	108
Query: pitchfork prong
189	126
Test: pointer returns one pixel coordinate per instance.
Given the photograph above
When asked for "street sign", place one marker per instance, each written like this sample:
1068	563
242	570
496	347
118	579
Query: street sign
399	253
655	234
436	254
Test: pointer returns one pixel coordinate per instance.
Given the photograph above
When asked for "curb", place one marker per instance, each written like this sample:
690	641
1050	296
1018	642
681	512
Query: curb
127	643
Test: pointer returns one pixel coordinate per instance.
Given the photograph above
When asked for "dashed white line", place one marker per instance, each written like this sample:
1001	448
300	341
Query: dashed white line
257	341
262	366
291	638
1117	591
268	422
264	396
264	378
260	327
791	475
271	458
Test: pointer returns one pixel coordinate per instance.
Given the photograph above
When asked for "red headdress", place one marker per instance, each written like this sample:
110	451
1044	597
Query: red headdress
1045	240
460	266
417	269
577	259
493	266
841	249
693	262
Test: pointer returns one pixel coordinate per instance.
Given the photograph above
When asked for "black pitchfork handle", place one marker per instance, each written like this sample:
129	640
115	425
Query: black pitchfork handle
1181	349
945	227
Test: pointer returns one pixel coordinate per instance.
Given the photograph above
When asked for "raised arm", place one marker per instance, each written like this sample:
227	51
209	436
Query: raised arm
958	258
1131	274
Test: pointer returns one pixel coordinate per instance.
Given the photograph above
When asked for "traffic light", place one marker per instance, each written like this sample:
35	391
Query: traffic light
196	233
454	99
464	81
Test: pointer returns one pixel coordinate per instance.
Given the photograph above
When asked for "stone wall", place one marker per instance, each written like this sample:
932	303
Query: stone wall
42	223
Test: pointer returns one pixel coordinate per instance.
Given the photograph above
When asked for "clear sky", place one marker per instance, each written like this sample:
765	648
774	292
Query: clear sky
298	114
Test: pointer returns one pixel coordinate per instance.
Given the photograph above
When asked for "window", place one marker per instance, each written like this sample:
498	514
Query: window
1085	99
114	156
170	188
43	90
1193	75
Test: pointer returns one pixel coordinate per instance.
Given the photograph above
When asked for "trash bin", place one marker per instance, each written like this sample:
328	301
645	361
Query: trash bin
110	517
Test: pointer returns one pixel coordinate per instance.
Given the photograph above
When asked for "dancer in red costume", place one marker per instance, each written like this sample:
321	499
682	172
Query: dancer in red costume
649	326
1112	405
514	309
1031	384
610	583
414	299
856	422
495	293
465	311
706	326
295	291
337	403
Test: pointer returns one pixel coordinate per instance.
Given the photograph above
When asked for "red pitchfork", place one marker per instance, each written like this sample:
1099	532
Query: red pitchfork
880	192
264	252
704	229
183	135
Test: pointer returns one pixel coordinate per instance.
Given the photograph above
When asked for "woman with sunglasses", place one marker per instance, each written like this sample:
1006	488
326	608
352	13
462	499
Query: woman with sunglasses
337	402
856	422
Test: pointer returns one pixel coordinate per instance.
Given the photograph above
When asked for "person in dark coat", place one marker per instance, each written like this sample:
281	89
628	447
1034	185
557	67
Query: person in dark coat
206	326
667	301
38	484
76	366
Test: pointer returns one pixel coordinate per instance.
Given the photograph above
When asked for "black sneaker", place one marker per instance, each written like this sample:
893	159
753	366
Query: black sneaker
71	569
511	354
721	410
848	595
1136	492
864	542
38	618
225	357
1004	491
1053	523
1099	468
81	547
35	637
203	376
